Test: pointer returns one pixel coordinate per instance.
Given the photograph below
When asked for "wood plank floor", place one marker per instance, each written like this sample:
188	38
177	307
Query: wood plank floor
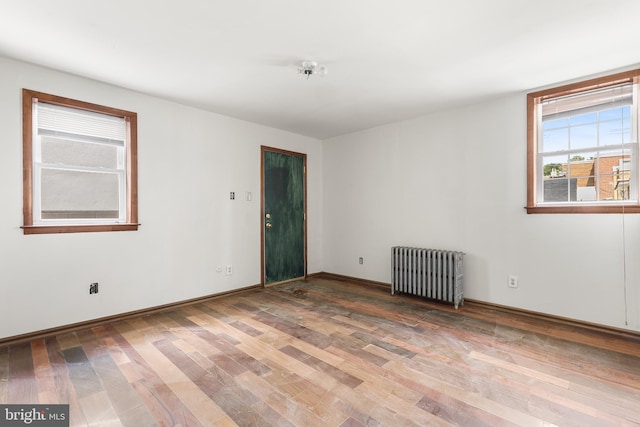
329	353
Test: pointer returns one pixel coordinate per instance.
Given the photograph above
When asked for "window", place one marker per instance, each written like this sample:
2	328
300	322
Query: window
583	147
79	163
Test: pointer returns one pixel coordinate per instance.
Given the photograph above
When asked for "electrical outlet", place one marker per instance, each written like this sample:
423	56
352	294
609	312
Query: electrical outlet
513	281
360	260
93	288
232	195
229	270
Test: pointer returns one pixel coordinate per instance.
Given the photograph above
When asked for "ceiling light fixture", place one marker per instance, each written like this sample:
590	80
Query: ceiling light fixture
308	68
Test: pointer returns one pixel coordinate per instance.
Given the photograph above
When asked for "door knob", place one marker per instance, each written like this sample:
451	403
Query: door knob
268	225
268	216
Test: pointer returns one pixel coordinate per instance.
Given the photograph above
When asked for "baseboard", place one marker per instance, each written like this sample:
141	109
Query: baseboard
123	316
626	333
343	278
556	319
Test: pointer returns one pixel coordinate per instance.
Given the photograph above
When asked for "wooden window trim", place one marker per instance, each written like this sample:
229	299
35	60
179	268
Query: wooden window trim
533	99
28	97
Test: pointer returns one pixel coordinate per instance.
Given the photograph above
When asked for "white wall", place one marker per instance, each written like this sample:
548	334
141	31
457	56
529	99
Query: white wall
457	180
189	161
454	179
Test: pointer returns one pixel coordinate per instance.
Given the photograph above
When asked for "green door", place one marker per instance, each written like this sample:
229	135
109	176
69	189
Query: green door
283	215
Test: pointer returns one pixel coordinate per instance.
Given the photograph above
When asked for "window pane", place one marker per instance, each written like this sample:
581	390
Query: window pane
555	139
582	165
615	113
584	136
584	119
554	181
555	124
615	172
72	194
558	190
621	187
582	172
615	132
76	153
584	188
554	166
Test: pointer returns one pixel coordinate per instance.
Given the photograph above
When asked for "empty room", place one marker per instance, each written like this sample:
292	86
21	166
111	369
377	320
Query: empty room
328	213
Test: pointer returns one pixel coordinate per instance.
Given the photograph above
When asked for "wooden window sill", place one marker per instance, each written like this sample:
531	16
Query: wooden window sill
80	228
632	209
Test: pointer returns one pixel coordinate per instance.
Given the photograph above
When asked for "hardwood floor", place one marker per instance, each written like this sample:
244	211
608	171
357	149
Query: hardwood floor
329	353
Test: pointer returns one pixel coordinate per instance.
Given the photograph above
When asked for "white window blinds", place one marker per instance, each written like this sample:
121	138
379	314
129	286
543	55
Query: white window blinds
571	105
88	126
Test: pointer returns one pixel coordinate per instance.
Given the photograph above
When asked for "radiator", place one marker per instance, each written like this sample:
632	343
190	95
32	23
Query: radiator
430	273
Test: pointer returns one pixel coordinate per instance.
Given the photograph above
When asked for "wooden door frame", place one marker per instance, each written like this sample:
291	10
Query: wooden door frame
264	148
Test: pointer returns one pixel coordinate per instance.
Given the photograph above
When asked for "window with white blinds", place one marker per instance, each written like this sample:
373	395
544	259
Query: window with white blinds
81	169
89	126
583	146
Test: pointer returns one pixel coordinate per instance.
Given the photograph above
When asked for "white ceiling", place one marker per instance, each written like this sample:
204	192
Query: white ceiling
388	60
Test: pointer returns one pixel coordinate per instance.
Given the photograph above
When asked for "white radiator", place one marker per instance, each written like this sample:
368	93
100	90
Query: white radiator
430	273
